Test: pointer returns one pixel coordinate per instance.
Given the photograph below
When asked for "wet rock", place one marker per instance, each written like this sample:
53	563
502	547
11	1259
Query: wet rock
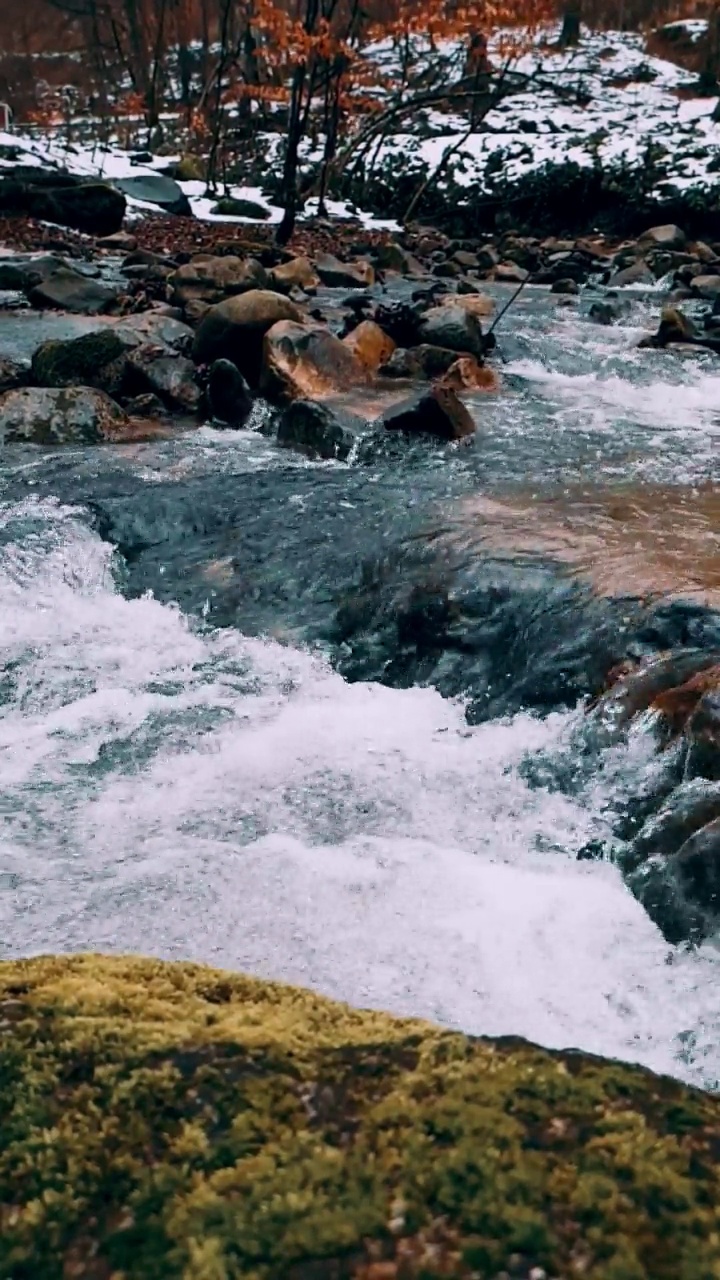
13	373
235	329
304	361
23	272
210	279
70	415
157	327
400	320
403	363
299	273
118	242
146	405
565	286
392	257
706	286
91	207
637	273
228	393
674	327
696	867
509	273
157	189
67	290
370	345
165	374
431	361
665	237
232	207
320	430
465	374
452	327
607	311
703	736
344	275
95	359
689	807
437	412
478	304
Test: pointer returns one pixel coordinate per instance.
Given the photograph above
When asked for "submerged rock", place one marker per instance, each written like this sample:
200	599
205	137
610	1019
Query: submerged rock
71	415
206	1123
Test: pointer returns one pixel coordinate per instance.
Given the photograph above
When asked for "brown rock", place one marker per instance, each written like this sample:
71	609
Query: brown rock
466	374
478	304
304	361
437	412
344	275
234	329
297	274
118	242
209	279
370	344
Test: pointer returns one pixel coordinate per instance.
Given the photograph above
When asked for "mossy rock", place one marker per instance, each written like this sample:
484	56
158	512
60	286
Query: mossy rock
167	1120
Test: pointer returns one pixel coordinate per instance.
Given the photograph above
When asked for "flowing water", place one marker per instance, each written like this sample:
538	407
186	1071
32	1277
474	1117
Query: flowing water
187	771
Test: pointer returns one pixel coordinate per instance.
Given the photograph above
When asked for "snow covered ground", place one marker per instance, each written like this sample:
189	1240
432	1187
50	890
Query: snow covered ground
606	105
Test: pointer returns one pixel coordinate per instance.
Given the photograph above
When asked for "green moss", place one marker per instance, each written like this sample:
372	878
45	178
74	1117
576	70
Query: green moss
80	361
163	1121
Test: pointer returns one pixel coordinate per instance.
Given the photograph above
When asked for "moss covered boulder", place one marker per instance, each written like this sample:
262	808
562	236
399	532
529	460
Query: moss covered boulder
164	1120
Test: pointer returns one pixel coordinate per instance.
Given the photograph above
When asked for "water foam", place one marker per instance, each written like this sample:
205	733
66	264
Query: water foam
203	795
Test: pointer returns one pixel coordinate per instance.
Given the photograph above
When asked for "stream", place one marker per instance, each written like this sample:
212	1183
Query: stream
229	732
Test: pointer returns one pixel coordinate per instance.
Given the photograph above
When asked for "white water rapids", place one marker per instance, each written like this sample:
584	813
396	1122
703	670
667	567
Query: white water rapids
202	795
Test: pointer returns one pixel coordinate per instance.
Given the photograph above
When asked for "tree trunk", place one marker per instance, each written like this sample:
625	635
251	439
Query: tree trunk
570	34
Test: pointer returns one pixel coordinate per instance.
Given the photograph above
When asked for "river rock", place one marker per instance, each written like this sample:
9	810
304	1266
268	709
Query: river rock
706	286
565	285
210	279
157	189
305	361
156	327
91	207
228	393
118	242
23	271
666	237
13	373
437	412
478	304
607	311
690	806
674	327
703	736
637	273
96	359
452	327
465	374
68	290
299	273
370	345
219	1095
509	273
696	867
146	405
320	430
392	257
52	416
235	329
165	374
344	275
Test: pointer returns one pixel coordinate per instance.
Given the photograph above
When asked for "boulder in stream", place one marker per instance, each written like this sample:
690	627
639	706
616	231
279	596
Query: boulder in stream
68	290
370	345
210	279
344	275
235	329
279	1133
320	430
228	394
53	416
165	374
454	327
96	359
304	361
437	412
